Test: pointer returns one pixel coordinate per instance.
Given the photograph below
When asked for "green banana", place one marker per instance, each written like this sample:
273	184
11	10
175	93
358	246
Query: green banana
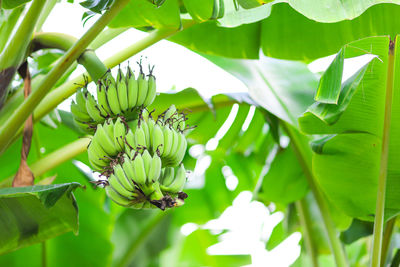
122	91
132	89
168	141
80	99
155	169
112	98
95	149
92	109
117	198
169	113
119	134
78	114
158	139
151	91
130	140
140	139
128	169
167	176
115	183
85	127
142	89
145	128
102	99
178	183
140	172
119	172
105	141
95	158
146	161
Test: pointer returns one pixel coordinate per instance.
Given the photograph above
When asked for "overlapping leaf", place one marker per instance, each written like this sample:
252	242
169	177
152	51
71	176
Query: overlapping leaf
347	163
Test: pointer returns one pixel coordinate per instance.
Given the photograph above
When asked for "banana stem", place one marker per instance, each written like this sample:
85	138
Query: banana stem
8	25
387	238
88	59
381	195
13	124
304	158
305	221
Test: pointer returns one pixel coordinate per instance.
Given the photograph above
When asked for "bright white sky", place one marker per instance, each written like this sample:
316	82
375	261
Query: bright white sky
250	223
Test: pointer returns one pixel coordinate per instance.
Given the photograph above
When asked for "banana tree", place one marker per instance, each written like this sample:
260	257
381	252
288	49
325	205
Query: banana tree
334	178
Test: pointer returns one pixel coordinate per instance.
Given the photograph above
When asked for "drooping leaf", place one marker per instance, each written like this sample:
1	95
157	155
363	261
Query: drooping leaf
347	164
34	214
96	6
331	112
285	181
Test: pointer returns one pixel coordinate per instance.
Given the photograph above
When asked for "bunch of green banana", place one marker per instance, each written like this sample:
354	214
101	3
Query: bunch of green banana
124	96
135	181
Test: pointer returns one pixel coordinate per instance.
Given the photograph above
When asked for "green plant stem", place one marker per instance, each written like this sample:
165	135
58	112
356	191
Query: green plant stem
54	159
305	221
88	58
48	7
303	155
380	200
387	238
13	54
61	155
12	125
44	260
144	234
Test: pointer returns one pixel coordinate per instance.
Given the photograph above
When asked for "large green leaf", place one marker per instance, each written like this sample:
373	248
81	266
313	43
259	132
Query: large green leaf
285	181
347	163
208	37
142	13
36	213
334	10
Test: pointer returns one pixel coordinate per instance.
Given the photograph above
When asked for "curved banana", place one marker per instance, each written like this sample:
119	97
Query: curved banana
102	99
122	91
130	140
118	187
168	141
169	113
146	161
140	139
119	134
140	172
112	98
92	109
167	176
145	128
155	169
128	169
79	114
132	89
178	182
151	91
142	89
117	198
120	174
157	140
95	158
105	141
